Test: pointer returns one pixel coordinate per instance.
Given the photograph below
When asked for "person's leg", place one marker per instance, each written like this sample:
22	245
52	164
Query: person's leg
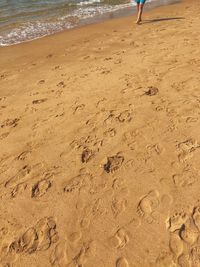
138	10
138	6
139	16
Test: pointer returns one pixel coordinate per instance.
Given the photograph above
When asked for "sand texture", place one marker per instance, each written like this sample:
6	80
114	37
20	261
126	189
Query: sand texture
100	145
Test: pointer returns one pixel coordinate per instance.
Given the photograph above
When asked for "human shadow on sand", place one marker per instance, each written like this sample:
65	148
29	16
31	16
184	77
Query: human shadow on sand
161	19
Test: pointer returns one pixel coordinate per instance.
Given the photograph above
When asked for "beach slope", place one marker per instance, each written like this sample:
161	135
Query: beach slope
100	145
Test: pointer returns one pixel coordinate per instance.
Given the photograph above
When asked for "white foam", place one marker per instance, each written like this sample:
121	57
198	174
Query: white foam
31	31
89	2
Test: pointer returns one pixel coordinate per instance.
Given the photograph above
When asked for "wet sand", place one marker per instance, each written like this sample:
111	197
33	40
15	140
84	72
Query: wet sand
100	146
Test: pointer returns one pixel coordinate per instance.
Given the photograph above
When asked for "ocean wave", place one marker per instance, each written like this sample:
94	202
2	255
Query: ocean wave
30	31
89	2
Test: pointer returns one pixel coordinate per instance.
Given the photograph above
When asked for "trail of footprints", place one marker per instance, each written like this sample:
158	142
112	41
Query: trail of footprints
30	241
184	230
69	251
38	189
37	238
118	241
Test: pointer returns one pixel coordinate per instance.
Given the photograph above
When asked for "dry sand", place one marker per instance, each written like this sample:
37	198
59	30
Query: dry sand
100	145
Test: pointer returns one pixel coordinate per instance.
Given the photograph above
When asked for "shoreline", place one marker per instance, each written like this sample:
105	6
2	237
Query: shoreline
56	38
120	13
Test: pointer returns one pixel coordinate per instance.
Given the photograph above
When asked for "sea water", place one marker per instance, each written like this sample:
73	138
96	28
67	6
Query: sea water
24	20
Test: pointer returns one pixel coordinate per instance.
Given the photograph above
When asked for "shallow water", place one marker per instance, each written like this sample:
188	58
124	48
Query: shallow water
24	20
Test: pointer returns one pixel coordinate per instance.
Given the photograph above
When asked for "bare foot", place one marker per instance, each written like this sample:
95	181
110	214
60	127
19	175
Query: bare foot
138	21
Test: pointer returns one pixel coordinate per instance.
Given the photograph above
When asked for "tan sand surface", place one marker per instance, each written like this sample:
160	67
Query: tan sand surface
100	145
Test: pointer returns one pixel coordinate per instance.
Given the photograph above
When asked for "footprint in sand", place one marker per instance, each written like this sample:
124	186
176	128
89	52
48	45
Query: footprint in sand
101	103
37	238
3	76
105	71
122	262
189	234
86	57
18	177
147	205
87	250
187	148
78	108
10	123
118	206
110	119
120	239
40	188
41	82
118	61
64	255
19	189
87	155
113	163
73	185
185	179
46	233
110	133
129	138
76	183
191	119
151	91
39	101
157	149
28	242
7	257
195	256
59	255
90	211
57	67
61	84
177	221
23	155
125	116
108	58
119	184
85	222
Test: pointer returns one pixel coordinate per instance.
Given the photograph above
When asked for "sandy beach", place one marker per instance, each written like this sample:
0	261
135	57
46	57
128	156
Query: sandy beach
100	144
